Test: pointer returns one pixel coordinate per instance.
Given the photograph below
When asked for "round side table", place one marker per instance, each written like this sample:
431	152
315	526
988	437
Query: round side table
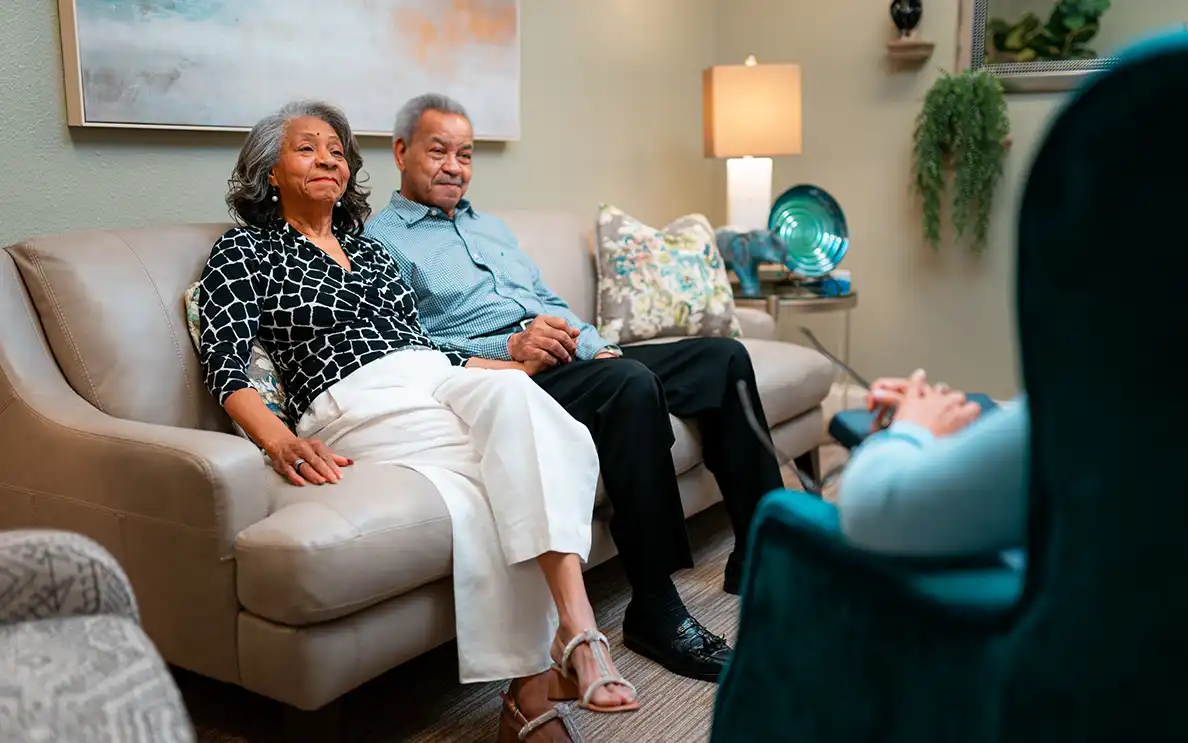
774	303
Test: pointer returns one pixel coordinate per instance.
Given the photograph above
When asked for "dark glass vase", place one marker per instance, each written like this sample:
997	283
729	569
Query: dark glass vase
906	14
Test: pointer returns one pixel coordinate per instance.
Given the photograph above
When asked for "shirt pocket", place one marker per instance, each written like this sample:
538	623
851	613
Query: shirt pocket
516	269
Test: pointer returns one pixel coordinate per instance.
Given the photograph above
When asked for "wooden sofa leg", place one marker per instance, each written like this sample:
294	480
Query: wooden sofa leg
810	463
323	725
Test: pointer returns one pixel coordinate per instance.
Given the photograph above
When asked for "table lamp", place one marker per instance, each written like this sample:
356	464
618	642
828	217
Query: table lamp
751	114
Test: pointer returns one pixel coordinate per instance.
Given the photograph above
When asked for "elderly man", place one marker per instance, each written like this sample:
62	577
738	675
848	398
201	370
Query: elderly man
480	294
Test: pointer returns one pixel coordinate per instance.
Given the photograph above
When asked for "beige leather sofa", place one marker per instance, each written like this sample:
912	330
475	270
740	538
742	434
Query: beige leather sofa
300	594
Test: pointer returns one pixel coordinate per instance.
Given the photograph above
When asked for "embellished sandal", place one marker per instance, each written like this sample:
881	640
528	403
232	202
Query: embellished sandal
514	726
564	686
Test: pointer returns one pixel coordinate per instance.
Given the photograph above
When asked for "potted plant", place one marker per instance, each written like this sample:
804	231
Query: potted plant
963	127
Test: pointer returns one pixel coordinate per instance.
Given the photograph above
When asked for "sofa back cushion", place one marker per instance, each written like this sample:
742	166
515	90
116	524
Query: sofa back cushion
563	247
110	304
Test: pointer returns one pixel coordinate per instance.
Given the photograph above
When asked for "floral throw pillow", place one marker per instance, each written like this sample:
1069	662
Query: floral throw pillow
261	372
668	283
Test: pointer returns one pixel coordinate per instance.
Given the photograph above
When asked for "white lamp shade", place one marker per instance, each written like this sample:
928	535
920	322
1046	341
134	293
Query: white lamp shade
751	111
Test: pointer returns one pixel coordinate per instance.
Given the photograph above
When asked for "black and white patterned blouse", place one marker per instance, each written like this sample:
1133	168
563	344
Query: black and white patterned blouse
317	321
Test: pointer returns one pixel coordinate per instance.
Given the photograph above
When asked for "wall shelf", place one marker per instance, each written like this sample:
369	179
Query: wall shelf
909	49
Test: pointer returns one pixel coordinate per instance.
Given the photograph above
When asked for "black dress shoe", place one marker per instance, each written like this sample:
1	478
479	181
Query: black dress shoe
680	644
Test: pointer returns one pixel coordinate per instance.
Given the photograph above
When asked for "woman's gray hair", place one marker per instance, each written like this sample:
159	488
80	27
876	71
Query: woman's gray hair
249	197
411	112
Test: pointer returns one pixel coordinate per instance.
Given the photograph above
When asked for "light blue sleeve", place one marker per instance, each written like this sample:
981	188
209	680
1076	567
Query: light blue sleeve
589	342
908	493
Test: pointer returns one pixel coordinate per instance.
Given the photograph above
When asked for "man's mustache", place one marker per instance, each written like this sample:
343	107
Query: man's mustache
448	181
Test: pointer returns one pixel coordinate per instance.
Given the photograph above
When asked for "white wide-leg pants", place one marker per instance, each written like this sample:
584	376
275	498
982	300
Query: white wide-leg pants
517	473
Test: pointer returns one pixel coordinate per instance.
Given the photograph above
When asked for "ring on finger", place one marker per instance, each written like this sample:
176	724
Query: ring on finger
297	463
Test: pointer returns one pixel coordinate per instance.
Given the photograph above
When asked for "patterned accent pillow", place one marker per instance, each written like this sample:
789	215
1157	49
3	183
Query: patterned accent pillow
668	283
261	371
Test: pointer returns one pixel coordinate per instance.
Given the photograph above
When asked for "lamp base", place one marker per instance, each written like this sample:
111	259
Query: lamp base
748	192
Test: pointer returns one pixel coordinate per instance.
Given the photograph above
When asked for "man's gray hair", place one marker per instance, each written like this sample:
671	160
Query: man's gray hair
249	194
411	112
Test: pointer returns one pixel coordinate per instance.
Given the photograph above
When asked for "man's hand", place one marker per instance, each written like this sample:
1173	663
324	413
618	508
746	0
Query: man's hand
547	341
607	355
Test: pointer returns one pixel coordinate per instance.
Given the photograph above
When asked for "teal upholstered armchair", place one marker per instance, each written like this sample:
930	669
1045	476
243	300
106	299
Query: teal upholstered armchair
1091	643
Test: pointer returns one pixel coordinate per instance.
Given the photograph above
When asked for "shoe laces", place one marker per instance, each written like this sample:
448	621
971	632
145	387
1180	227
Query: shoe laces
710	642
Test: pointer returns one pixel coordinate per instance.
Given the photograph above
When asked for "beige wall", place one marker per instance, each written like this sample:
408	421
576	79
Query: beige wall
611	112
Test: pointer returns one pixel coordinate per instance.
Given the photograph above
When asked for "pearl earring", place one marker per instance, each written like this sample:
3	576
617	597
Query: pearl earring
274	199
338	203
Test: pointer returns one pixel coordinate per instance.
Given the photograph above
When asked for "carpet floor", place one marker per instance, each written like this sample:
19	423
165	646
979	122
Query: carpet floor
422	701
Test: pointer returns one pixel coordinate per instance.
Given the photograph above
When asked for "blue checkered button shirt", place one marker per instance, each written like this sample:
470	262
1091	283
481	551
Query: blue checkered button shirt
474	285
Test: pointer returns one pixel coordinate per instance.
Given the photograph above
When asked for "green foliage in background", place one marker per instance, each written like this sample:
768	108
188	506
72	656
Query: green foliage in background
963	126
1070	27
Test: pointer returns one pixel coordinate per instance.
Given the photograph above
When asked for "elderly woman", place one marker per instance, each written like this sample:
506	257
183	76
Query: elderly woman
366	384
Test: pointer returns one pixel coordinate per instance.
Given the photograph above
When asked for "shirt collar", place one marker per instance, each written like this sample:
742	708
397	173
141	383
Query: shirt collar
290	233
412	212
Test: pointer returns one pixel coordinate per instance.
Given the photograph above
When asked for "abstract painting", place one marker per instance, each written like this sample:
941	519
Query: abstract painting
223	64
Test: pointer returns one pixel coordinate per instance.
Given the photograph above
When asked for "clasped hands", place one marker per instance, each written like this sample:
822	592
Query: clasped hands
544	343
935	407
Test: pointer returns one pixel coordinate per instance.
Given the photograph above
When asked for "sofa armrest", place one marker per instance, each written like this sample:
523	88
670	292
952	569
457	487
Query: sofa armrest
755	323
60	574
56	449
60	446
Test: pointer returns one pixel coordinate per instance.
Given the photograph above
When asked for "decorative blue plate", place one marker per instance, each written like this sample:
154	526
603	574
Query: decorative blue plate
813	227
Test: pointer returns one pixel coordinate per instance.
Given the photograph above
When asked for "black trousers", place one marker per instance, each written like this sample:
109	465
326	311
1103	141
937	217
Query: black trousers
625	403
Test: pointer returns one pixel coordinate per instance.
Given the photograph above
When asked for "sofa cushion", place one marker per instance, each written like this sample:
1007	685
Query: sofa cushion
686	450
686	453
326	552
561	245
792	379
755	323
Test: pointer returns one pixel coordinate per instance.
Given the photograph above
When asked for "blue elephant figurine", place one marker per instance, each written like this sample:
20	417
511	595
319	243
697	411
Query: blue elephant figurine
743	252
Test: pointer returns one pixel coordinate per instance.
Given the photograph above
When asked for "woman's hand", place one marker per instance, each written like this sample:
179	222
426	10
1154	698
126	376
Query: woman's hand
886	392
883	397
306	460
938	409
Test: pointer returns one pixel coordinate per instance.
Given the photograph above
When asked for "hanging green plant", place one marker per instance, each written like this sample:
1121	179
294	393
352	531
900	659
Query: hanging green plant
963	124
